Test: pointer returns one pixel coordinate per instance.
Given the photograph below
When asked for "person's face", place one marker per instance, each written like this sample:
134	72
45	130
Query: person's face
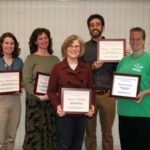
95	28
42	41
136	41
73	50
8	45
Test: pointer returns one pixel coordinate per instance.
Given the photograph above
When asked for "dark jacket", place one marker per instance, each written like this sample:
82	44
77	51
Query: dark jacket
62	76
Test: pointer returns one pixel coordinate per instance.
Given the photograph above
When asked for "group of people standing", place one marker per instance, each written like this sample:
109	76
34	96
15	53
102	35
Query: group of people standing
47	126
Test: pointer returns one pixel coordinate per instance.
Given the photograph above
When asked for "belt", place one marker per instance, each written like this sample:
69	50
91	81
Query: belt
102	92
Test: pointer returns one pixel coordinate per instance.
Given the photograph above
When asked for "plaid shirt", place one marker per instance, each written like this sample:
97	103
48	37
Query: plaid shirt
103	75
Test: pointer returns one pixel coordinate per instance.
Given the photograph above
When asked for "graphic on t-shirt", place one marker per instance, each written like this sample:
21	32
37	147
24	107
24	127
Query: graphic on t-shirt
137	67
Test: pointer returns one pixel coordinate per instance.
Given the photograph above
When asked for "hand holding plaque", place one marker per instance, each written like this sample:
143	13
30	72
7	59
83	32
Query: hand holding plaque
110	50
125	86
75	100
10	82
41	83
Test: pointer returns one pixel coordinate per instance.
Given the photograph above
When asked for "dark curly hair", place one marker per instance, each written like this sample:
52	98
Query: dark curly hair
16	51
34	36
97	16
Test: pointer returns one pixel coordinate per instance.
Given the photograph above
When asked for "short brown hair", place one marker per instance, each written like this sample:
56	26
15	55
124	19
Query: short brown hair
138	29
69	40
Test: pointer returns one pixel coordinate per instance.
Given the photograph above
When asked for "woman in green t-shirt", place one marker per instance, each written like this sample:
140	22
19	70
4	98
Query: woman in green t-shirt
134	115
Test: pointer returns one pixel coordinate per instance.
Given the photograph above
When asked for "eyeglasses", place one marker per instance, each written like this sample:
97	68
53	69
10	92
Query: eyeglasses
75	47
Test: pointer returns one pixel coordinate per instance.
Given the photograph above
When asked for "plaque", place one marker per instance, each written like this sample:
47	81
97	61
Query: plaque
110	50
75	100
10	82
125	86
41	83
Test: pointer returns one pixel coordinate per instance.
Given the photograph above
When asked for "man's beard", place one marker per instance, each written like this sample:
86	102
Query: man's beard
97	35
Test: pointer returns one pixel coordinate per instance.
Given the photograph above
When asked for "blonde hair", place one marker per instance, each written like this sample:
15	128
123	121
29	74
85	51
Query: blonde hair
138	29
68	41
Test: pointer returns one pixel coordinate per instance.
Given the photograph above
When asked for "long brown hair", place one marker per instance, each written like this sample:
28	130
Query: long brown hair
16	51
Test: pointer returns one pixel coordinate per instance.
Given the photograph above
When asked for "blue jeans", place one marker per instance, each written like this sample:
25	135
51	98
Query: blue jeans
71	132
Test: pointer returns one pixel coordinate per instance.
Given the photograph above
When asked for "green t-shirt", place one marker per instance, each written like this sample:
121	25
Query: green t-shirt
139	66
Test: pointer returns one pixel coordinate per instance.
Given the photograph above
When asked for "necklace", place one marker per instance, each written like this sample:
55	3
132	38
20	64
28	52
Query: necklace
8	67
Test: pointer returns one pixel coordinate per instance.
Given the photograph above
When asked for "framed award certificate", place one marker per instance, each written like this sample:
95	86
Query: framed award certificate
41	83
110	50
10	82
125	86
75	100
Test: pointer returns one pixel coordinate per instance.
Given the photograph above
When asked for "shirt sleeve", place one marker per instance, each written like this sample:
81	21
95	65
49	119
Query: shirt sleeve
53	86
27	76
91	85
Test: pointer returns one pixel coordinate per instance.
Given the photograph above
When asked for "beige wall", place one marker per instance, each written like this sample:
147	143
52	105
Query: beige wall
64	18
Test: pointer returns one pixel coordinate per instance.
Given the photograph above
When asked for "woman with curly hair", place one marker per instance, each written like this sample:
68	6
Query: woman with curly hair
40	128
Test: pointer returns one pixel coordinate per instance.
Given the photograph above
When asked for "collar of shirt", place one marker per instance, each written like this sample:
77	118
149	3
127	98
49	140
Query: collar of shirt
79	68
